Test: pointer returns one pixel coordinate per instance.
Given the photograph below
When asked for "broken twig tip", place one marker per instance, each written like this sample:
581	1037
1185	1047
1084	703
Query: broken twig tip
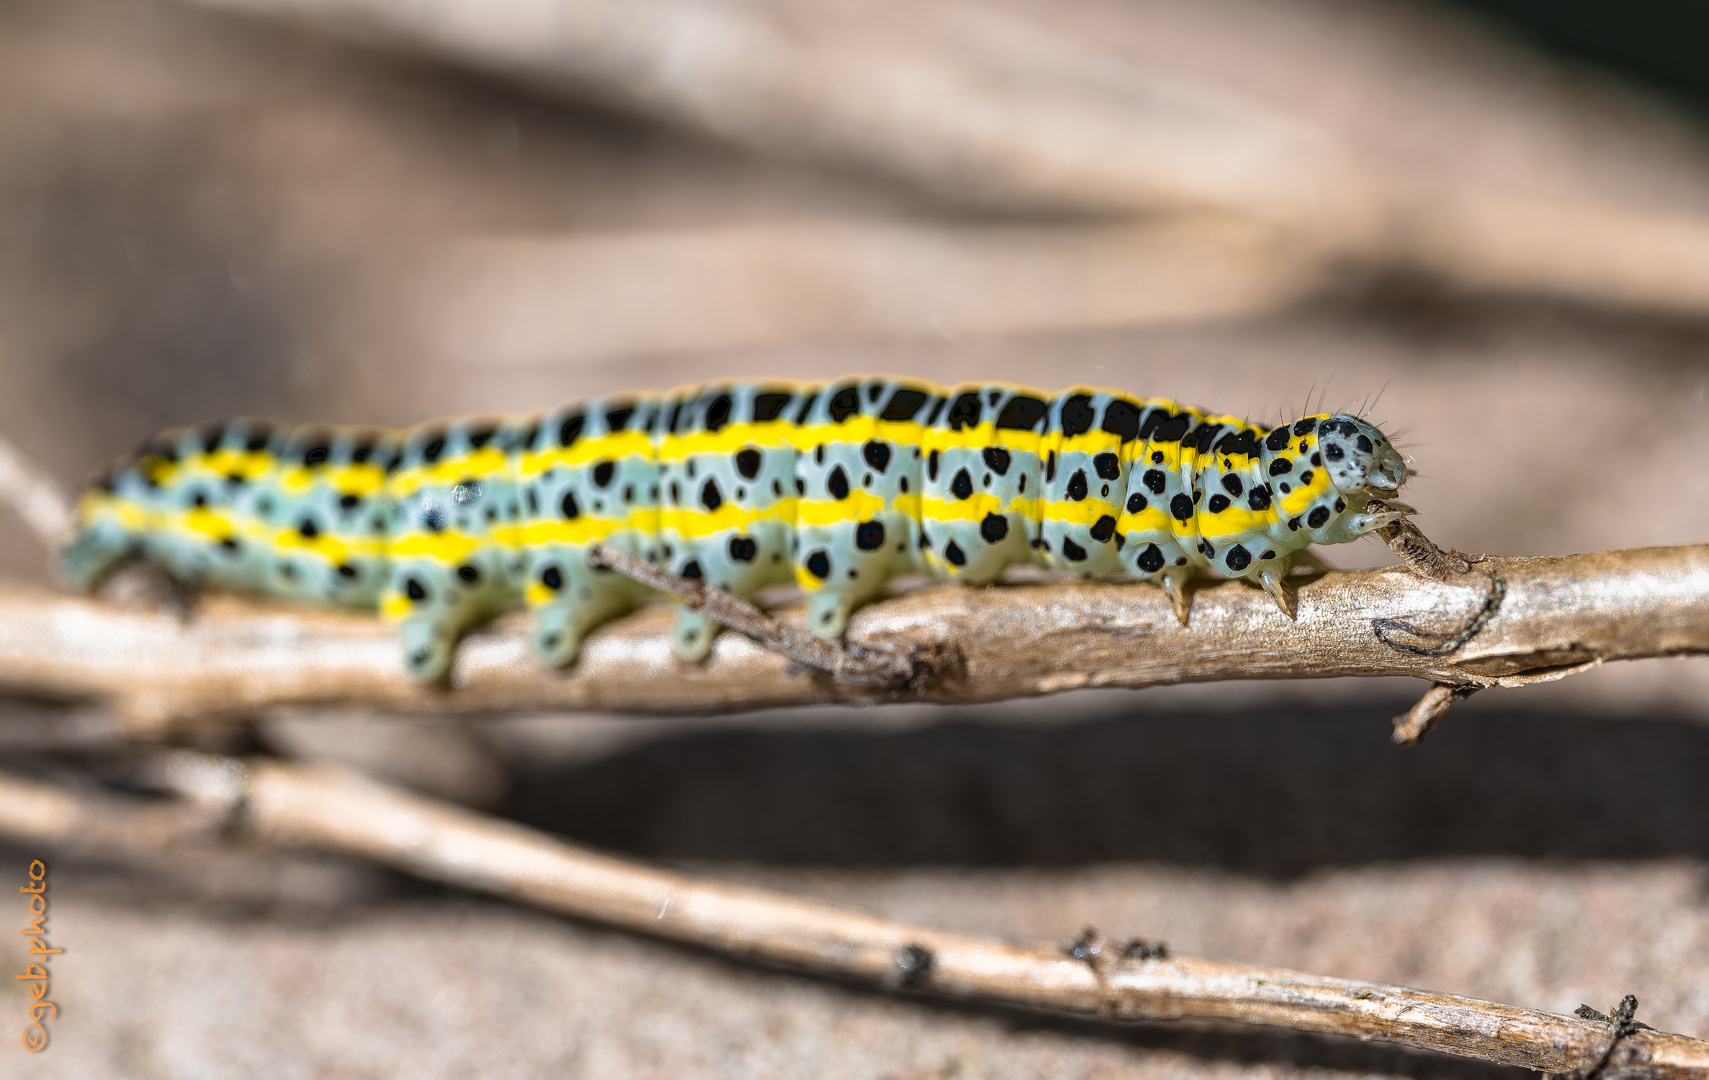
1416	722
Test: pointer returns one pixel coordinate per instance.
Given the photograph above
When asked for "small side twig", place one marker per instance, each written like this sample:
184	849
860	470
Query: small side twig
1416	722
852	665
1622	1023
1419	553
331	809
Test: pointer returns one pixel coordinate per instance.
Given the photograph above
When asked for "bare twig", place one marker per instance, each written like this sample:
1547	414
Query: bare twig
335	810
1417	721
1557	616
882	90
1419	553
1395	632
852	665
35	496
90	823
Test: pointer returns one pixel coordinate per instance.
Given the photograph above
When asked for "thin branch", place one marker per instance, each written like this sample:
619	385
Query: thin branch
232	657
851	665
90	823
35	496
1417	721
335	810
1419	553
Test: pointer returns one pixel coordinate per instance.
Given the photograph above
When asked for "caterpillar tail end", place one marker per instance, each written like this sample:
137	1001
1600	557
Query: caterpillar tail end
1274	581
1174	580
90	556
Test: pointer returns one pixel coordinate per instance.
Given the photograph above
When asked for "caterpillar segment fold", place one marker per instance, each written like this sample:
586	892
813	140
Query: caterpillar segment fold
836	487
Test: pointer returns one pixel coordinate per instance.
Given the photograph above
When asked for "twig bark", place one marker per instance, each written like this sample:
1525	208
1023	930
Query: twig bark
232	657
335	810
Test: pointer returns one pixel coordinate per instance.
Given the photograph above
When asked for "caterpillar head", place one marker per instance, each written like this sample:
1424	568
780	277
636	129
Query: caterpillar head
1360	460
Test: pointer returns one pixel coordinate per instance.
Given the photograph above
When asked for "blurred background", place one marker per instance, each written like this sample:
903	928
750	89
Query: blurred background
1494	213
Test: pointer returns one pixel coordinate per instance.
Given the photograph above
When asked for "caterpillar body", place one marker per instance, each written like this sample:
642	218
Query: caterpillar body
834	486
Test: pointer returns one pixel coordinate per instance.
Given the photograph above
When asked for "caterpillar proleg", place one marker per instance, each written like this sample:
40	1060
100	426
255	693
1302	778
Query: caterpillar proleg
835	486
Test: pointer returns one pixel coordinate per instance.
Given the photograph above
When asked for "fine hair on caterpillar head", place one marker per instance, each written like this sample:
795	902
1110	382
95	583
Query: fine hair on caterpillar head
1360	458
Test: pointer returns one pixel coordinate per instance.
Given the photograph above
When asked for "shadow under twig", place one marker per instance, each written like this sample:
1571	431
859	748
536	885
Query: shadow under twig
1276	792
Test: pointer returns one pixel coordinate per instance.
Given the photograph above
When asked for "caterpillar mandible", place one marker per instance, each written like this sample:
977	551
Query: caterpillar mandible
835	486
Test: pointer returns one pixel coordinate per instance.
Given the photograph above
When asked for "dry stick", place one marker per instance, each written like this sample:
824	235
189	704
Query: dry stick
36	498
1043	123
856	665
852	665
233	657
1416	722
1422	556
332	809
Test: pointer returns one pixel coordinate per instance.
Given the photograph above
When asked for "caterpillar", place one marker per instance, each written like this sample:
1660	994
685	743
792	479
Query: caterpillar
835	486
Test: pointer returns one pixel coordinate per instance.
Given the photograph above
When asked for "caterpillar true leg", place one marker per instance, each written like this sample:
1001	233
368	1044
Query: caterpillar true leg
1274	580
1360	524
